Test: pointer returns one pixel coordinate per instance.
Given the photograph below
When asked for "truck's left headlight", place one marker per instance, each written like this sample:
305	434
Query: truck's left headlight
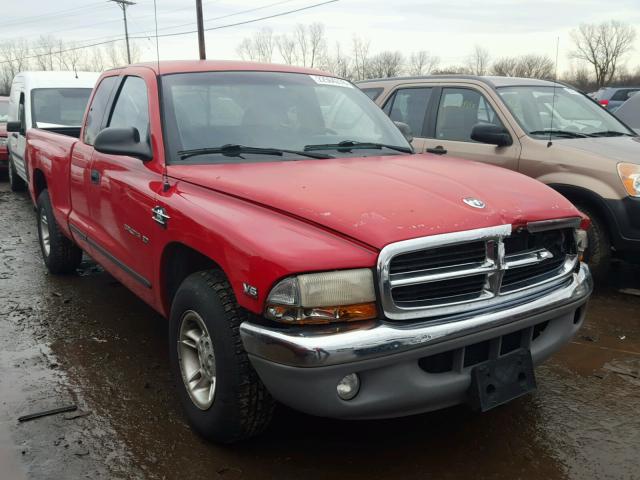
3	141
630	176
338	296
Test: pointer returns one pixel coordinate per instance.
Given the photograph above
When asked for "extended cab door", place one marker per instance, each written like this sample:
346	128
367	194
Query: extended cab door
458	110
80	170
123	192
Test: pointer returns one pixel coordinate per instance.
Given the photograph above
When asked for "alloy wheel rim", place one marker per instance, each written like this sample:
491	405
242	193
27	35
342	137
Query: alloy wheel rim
45	238
197	360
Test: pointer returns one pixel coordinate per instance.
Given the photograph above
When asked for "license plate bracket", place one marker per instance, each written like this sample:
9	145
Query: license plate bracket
499	381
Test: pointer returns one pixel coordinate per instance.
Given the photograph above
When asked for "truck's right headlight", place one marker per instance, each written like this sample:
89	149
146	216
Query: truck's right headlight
630	176
3	141
325	297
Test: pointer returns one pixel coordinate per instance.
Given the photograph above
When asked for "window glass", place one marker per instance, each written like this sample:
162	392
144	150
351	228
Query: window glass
271	110
97	109
132	107
623	94
372	93
59	107
569	115
410	106
459	111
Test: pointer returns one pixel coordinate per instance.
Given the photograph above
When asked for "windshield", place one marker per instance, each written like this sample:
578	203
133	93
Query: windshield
58	107
574	115
4	111
284	111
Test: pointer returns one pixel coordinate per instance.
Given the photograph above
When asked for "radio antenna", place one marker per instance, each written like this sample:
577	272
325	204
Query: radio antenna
165	176
553	99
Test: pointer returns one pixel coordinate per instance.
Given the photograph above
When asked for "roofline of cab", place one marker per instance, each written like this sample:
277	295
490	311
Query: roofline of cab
487	80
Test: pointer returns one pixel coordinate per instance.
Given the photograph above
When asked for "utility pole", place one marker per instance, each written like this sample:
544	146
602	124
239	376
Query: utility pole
123	4
203	53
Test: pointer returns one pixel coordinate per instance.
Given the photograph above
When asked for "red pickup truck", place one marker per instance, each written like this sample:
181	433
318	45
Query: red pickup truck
301	251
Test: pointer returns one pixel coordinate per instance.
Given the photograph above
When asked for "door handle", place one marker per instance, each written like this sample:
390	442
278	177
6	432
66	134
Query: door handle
439	150
95	176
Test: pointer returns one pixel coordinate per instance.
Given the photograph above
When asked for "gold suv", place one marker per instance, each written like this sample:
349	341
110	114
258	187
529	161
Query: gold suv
543	129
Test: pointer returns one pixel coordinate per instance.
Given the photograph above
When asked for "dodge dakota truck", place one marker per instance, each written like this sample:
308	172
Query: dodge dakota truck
300	250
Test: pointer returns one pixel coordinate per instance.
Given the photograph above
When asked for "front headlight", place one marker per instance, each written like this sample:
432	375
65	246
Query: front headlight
630	176
339	296
3	141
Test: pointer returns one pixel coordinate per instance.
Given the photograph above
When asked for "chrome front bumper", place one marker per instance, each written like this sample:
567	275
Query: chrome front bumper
309	346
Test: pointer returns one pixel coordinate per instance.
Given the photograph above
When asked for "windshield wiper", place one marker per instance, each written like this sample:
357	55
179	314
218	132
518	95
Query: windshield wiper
566	133
347	145
234	150
610	133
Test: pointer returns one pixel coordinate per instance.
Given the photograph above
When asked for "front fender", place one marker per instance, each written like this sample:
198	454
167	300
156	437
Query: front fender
253	244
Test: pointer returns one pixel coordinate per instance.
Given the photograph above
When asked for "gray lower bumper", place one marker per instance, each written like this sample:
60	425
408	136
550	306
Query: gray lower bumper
301	367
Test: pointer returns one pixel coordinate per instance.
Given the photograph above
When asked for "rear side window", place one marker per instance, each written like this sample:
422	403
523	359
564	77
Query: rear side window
409	105
372	93
132	107
622	95
97	109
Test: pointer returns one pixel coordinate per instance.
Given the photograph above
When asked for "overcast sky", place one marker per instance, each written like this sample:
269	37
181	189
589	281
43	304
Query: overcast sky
448	28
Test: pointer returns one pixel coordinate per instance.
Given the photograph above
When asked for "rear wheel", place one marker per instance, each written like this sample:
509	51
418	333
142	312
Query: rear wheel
222	395
598	253
60	254
15	182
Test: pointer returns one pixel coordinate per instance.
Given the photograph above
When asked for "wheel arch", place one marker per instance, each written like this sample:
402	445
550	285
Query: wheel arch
591	199
39	183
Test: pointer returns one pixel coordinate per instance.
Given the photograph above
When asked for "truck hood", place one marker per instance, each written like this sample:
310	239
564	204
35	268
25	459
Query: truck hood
381	200
619	149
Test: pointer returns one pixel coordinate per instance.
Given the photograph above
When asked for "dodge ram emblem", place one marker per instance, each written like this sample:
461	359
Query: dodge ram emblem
474	202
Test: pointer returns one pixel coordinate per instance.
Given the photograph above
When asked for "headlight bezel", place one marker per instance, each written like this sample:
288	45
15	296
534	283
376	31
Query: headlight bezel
629	174
323	297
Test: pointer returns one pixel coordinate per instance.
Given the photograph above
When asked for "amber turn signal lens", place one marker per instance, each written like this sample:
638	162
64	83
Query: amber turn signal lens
630	175
319	315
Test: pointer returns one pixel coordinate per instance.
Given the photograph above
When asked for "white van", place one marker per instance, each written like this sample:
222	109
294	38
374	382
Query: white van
49	100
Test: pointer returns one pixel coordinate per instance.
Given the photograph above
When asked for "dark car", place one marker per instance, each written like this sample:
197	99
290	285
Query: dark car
612	98
629	112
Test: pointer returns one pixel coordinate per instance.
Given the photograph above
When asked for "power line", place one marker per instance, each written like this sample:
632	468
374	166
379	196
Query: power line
124	4
47	16
281	14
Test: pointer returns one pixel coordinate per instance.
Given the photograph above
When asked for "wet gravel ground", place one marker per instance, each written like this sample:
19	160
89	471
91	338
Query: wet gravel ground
85	340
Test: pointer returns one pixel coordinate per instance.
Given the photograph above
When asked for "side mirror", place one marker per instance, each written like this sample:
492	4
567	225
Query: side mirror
491	134
122	141
405	130
15	127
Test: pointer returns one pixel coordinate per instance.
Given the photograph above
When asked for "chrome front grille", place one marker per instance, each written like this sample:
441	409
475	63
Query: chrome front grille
457	272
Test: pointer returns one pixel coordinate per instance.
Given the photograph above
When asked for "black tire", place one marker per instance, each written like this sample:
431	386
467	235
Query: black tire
15	182
242	407
598	253
62	255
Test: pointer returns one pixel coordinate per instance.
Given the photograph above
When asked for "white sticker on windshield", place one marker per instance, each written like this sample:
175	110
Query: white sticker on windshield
571	91
338	82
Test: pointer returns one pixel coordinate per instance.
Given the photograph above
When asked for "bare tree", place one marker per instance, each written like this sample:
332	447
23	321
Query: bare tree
478	61
337	63
259	47
317	43
603	46
385	65
46	48
451	70
505	67
95	61
287	49
535	66
360	57
300	36
72	57
422	63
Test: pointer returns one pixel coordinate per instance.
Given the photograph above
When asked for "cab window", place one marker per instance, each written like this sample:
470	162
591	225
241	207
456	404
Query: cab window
409	105
97	109
132	107
459	111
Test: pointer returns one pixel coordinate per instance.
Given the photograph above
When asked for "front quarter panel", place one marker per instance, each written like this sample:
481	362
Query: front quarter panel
253	244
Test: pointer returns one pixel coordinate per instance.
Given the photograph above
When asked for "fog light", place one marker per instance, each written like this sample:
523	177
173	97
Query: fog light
349	386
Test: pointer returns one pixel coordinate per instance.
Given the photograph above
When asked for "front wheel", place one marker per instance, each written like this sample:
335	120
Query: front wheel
223	397
598	253
60	254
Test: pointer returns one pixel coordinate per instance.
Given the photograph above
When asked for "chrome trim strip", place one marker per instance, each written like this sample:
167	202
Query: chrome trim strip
525	259
403	279
309	346
135	275
556	224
